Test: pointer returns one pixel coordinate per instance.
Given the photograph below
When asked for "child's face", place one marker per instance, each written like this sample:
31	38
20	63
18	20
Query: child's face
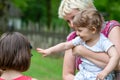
85	33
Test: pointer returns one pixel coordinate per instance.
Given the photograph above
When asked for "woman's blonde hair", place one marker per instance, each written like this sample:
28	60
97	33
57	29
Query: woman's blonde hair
67	6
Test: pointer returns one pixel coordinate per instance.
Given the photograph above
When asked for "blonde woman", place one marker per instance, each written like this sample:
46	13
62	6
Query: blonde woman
67	10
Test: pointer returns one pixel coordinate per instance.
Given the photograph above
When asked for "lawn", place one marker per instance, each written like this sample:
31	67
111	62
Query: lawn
45	68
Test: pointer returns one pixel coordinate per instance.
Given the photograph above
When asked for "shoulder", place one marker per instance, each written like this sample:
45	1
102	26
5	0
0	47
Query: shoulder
1	79
109	26
104	39
105	43
24	78
112	23
34	79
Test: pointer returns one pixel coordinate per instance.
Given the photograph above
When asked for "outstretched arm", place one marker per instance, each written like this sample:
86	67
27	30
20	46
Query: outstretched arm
57	48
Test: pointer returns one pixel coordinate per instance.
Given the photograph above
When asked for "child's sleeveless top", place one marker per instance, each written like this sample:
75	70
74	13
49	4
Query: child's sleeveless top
21	78
108	26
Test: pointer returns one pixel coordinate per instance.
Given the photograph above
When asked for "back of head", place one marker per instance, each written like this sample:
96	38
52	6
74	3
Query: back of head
14	52
67	6
89	18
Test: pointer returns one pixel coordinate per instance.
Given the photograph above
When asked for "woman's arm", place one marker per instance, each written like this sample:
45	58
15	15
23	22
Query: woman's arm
100	59
68	65
114	37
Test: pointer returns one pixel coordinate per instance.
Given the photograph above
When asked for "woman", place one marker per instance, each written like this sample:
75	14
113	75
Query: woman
67	10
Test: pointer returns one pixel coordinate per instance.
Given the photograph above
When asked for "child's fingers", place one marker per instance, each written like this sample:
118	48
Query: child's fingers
39	49
100	76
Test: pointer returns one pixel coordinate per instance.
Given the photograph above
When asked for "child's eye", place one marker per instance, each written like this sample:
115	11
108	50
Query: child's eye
79	30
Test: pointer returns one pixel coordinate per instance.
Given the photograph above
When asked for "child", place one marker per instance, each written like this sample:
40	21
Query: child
15	56
88	25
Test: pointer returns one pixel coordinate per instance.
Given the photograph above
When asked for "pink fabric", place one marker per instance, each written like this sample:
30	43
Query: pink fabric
71	36
108	26
21	78
1	79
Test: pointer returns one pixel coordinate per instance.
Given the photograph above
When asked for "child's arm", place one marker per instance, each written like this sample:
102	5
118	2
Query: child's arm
57	48
60	47
113	62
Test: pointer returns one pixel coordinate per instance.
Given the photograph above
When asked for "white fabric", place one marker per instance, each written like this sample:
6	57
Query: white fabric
77	41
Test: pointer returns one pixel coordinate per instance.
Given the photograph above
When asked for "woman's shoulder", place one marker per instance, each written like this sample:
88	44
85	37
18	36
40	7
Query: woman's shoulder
25	78
112	23
34	79
108	26
1	79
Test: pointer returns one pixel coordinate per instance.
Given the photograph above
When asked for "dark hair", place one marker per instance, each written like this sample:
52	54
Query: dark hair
89	18
15	52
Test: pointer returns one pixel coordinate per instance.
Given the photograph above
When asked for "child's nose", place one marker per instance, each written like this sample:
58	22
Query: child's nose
77	33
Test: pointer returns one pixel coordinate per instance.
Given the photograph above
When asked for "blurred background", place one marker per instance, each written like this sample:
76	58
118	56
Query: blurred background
38	20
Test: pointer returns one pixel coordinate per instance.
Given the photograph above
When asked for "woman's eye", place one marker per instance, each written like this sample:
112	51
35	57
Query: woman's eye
68	21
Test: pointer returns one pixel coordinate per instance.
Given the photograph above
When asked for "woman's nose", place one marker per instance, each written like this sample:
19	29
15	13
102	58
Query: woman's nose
71	24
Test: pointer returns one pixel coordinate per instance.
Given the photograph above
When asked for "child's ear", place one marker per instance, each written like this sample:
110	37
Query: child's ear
94	30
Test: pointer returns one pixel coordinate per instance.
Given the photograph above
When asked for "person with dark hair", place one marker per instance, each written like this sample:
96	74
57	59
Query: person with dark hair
15	56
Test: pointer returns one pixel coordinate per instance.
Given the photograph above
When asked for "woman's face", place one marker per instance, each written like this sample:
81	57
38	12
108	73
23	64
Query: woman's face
69	17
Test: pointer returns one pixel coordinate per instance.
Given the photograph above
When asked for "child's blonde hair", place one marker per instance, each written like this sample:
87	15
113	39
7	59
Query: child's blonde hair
67	6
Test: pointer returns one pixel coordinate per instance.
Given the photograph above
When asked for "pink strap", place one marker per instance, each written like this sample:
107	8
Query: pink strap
1	79
109	25
23	78
71	36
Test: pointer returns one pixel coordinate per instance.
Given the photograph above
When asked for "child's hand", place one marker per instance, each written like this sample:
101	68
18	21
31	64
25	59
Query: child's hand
44	52
101	75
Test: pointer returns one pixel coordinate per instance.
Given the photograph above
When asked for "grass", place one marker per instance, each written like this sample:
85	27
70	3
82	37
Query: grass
45	68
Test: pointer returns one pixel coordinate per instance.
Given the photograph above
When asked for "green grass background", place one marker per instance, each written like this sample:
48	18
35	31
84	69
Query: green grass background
45	68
